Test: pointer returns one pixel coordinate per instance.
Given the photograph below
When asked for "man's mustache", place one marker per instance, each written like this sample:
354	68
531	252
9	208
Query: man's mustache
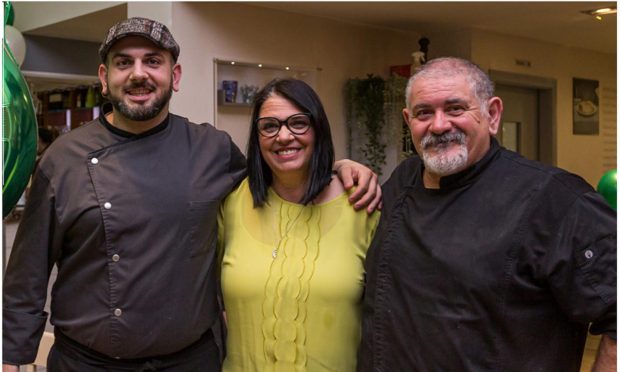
145	85
432	139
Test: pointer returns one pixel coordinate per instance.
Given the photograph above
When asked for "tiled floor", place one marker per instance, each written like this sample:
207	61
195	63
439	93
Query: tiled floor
10	228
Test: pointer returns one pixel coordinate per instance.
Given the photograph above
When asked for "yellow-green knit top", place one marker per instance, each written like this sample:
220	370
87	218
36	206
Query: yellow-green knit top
292	281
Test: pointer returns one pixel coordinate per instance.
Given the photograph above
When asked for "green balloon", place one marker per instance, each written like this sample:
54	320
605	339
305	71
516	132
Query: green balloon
9	13
19	132
608	187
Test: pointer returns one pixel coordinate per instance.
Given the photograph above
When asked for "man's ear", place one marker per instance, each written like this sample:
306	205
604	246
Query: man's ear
496	107
176	77
407	117
103	74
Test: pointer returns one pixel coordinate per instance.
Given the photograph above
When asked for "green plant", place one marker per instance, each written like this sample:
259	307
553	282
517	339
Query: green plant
374	108
364	105
394	102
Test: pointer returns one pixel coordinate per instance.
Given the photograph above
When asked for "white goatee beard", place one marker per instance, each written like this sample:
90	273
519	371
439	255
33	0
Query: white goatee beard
441	161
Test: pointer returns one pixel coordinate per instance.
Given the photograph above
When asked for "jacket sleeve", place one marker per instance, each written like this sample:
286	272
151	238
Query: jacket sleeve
237	165
26	278
581	266
220	238
235	160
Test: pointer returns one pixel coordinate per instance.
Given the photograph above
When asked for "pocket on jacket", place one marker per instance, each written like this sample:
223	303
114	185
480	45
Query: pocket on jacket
202	223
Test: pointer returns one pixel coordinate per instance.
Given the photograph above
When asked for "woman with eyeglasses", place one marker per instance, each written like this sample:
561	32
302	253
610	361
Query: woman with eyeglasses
292	249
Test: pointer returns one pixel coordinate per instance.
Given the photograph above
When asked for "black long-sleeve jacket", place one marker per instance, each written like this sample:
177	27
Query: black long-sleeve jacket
131	222
501	269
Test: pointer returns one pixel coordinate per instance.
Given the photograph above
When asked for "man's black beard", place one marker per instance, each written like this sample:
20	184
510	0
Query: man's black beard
140	113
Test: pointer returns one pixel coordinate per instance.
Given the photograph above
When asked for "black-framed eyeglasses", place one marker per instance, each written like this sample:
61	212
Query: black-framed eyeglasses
296	124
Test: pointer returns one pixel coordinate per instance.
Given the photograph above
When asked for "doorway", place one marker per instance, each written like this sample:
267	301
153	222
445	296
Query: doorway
520	123
528	121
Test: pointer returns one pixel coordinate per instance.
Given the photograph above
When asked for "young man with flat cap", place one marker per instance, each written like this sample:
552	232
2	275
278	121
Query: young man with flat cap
126	207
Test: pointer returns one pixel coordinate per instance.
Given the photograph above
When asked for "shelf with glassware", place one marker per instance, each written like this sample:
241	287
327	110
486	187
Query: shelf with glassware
238	82
236	85
63	101
68	108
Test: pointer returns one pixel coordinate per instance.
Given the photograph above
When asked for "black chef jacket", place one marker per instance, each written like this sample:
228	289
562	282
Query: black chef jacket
131	222
501	269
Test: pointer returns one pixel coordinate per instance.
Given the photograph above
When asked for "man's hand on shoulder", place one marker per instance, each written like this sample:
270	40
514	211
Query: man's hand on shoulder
606	356
368	191
10	368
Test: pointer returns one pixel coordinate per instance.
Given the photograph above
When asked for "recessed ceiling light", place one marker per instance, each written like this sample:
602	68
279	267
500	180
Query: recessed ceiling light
597	13
605	11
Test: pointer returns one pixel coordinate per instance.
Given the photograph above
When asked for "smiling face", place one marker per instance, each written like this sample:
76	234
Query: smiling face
287	155
450	131
138	80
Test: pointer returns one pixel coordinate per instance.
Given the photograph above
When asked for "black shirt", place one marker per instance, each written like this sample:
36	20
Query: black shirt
501	269
131	222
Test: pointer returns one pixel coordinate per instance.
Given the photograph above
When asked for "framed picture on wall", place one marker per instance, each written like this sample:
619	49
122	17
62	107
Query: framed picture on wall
585	106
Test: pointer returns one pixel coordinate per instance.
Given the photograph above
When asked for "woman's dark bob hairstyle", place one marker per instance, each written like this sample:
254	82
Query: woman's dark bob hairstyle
306	100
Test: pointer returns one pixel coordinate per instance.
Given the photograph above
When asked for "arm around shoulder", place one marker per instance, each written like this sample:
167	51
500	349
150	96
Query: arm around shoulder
368	192
606	357
10	368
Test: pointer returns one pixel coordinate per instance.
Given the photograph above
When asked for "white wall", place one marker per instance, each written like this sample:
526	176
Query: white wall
250	33
586	155
159	11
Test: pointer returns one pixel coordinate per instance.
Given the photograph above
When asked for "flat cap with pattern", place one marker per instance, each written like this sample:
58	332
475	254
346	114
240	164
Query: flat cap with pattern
152	30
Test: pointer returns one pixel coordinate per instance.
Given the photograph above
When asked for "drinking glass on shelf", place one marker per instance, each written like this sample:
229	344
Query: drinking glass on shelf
230	90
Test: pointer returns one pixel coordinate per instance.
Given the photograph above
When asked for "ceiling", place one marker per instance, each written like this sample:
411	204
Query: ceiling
555	22
89	27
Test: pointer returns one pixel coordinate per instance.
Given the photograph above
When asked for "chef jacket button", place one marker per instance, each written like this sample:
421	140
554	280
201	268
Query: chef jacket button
94	160
107	205
116	257
118	312
588	254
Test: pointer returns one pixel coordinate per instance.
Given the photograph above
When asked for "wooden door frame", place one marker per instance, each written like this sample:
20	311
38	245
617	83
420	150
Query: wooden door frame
547	93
